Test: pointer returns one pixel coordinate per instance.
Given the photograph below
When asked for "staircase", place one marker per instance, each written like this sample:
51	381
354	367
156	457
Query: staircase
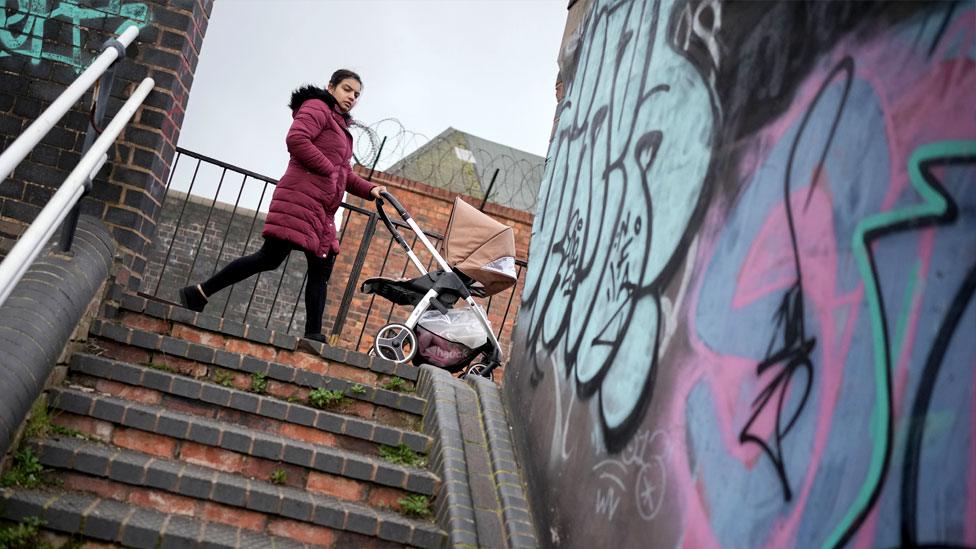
178	429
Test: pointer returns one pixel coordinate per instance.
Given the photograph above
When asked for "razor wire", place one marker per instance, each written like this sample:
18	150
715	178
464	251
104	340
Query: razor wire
449	162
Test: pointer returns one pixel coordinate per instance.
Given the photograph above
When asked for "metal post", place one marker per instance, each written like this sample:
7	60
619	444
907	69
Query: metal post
176	228
488	192
376	160
357	269
94	124
206	225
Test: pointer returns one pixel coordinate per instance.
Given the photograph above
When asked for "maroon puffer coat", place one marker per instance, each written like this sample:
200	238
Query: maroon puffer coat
304	204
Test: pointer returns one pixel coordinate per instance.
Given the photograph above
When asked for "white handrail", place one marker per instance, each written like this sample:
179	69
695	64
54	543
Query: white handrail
32	242
23	145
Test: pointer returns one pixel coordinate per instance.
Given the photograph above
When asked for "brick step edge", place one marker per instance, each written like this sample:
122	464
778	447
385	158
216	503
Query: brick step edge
166	311
219	434
516	512
112	521
481	502
138	469
244	363
236	399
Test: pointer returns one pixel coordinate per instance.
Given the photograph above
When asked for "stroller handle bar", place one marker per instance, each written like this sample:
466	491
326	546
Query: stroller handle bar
384	195
413	226
386	218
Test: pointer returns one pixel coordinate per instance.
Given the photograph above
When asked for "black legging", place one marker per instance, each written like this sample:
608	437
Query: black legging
271	254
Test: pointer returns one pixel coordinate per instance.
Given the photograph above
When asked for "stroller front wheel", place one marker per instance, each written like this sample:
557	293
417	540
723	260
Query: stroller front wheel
395	342
478	369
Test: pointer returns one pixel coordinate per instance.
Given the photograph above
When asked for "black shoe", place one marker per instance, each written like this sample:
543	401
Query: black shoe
192	298
315	343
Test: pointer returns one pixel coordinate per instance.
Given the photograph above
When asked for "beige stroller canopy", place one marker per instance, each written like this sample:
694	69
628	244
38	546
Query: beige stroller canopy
481	248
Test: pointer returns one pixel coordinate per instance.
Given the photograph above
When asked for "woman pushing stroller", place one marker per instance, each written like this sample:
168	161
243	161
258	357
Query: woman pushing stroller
302	210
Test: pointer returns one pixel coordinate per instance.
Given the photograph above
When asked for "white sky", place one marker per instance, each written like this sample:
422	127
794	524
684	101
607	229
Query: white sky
485	67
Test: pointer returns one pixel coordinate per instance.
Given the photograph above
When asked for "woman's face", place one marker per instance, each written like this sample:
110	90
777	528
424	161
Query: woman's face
346	93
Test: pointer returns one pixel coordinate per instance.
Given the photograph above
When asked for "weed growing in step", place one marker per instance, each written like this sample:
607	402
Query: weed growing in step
24	535
26	471
325	398
278	476
357	389
396	383
402	455
69	432
224	377
259	383
41	425
415	506
159	366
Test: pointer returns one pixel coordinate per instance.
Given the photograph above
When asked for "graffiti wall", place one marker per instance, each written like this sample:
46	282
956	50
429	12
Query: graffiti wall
749	316
44	47
32	28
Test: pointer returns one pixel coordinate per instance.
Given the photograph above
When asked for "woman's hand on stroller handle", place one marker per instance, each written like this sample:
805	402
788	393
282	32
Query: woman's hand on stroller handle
377	191
383	194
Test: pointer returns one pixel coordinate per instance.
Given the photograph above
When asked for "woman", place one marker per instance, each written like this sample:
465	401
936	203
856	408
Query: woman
302	211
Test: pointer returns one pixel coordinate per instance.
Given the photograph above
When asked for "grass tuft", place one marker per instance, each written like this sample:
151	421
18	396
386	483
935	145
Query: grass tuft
402	455
325	398
415	506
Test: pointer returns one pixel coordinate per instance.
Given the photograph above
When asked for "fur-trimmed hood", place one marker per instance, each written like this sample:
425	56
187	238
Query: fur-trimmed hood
310	91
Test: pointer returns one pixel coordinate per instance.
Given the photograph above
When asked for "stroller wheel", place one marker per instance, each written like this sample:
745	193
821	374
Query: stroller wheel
478	369
395	342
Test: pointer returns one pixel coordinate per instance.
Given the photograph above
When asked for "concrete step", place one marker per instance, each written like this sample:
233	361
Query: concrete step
213	328
366	398
110	521
228	447
255	505
258	411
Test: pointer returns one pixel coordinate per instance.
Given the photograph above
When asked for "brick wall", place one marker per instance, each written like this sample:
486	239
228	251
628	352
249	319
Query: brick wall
231	234
45	46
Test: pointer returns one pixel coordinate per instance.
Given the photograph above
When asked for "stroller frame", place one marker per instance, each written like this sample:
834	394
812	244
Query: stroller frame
447	281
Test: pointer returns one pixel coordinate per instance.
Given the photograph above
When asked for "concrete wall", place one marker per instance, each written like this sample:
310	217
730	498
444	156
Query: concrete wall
44	45
749	316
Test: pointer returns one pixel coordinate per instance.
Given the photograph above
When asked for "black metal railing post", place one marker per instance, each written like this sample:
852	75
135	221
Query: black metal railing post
206	225
176	228
376	160
104	90
488	192
357	269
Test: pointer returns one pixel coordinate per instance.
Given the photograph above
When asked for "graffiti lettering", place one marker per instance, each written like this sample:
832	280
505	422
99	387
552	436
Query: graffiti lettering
615	182
793	356
923	161
646	454
22	30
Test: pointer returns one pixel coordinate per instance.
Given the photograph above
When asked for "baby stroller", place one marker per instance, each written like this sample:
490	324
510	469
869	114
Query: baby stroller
480	262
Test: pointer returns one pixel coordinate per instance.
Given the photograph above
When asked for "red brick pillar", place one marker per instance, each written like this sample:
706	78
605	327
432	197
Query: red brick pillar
48	47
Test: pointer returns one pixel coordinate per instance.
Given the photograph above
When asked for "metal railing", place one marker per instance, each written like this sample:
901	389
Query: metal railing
63	204
203	226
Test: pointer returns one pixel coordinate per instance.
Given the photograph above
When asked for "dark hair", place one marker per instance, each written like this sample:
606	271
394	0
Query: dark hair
341	74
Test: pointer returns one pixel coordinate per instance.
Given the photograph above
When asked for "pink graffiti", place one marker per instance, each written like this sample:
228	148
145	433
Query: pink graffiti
970	531
925	109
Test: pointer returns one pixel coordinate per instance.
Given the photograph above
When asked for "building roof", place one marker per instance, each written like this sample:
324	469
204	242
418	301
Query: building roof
465	163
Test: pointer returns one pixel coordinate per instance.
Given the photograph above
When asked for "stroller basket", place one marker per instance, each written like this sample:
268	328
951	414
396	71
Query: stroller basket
480	262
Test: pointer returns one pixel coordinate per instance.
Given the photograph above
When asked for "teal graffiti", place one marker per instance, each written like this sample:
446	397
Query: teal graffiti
626	177
935	208
22	32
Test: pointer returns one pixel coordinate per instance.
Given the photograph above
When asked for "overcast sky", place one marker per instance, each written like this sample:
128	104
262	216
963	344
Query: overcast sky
485	67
